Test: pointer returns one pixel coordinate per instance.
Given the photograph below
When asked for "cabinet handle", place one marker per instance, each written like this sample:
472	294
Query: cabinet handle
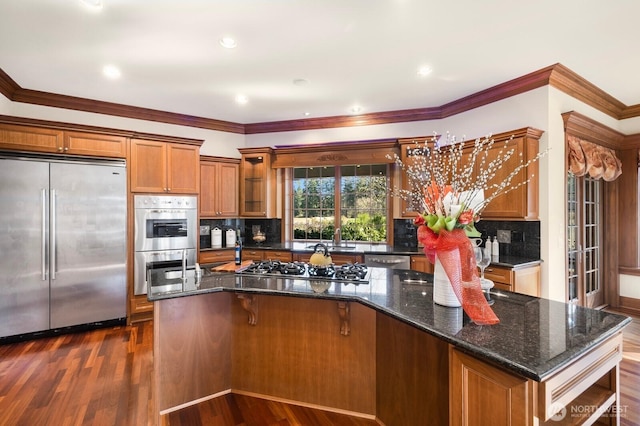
168	189
59	148
66	148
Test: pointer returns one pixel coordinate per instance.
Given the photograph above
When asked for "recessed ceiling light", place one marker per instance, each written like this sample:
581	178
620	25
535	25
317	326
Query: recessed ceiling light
300	81
92	4
356	109
242	99
228	42
111	71
424	71
306	114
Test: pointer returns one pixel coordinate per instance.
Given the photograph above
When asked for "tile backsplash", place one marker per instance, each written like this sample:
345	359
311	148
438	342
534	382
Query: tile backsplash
405	234
222	224
271	228
523	236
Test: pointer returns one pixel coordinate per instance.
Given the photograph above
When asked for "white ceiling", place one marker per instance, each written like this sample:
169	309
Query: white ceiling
364	52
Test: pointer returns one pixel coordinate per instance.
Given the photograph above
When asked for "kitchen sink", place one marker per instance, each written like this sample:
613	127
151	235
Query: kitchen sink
342	246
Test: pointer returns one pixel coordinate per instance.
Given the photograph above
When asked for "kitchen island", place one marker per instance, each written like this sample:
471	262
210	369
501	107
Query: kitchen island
382	350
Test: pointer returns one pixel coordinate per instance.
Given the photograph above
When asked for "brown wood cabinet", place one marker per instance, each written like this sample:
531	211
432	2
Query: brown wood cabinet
577	394
269	346
218	187
518	204
422	264
257	183
163	167
408	148
524	280
95	144
522	202
337	258
262	254
216	256
41	139
482	394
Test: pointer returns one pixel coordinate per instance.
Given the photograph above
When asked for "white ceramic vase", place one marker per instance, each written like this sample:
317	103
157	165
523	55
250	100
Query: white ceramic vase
443	293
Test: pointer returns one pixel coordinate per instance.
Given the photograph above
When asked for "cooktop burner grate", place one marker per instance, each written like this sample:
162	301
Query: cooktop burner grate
349	273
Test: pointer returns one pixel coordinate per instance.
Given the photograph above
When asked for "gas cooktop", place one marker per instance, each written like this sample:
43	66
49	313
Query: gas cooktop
355	273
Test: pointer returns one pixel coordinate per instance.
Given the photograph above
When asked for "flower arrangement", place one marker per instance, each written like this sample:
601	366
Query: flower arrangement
442	178
448	180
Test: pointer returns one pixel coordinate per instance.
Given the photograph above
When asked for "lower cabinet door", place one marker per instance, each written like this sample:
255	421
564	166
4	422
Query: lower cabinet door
481	394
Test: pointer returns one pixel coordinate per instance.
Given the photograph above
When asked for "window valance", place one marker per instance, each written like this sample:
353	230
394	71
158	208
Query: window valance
596	160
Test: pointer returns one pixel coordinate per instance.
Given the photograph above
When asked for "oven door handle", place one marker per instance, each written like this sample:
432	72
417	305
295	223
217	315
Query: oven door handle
180	253
167	211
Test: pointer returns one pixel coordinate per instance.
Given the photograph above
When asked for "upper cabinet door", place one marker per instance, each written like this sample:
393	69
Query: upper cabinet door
218	187
26	138
93	144
257	183
183	169
228	189
148	166
522	202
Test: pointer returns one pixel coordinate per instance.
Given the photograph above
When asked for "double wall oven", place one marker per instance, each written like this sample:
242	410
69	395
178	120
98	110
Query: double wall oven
165	234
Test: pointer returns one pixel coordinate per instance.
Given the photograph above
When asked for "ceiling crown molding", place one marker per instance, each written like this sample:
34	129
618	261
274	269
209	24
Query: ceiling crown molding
8	87
15	93
557	76
586	128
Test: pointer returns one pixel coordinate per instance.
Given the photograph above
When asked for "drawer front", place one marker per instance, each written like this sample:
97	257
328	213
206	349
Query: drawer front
497	274
501	286
281	255
252	254
216	256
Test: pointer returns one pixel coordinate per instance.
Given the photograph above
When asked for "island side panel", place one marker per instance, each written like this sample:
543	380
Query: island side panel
412	375
296	352
191	349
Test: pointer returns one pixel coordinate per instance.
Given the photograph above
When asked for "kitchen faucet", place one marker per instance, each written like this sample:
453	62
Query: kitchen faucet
337	237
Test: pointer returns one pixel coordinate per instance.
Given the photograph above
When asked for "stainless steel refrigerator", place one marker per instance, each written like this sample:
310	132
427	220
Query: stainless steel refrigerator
62	243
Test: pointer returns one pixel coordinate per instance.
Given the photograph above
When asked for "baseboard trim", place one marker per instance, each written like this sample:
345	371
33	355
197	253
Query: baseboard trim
629	305
194	402
304	404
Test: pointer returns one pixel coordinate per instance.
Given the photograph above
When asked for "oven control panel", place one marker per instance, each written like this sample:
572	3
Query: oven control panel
165	202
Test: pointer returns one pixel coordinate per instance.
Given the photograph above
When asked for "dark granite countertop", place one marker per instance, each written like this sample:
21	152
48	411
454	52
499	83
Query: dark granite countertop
535	337
378	248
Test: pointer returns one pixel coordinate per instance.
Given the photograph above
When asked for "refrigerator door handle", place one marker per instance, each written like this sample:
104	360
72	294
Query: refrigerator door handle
52	250
43	242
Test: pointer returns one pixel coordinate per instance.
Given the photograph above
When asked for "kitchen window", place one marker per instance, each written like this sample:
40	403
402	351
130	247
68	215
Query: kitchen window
353	198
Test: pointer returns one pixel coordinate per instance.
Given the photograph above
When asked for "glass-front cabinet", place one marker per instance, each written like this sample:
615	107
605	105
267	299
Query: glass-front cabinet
257	183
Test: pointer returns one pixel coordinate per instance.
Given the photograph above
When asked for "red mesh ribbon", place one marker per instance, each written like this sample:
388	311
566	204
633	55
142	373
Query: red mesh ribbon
466	285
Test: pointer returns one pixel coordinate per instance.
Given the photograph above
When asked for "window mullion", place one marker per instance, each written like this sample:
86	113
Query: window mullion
337	218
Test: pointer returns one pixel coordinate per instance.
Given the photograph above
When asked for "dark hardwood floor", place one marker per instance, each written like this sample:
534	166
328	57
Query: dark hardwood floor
103	377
